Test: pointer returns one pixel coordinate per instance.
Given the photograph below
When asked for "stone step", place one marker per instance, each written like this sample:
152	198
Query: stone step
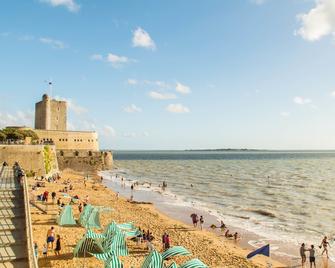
12	212
12	224
11	237
13	253
23	263
4	204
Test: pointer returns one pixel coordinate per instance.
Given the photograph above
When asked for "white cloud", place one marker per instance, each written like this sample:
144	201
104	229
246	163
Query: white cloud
72	105
319	21
301	100
108	131
333	94
52	42
141	38
132	82
285	114
132	109
177	108
19	118
70	5
114	59
97	57
161	96
183	89
258	2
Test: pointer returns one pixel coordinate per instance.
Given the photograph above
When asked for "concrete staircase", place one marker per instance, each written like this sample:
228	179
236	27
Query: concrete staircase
13	237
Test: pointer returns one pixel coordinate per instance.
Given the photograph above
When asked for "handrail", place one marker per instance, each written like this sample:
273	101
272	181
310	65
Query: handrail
30	243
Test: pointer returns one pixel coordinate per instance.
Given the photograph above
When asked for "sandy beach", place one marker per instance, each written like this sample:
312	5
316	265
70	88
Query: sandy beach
205	245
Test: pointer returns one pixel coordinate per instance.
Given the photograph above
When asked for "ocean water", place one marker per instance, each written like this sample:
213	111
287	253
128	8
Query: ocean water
287	197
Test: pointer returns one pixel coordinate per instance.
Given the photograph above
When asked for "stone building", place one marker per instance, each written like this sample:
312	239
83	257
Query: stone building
51	127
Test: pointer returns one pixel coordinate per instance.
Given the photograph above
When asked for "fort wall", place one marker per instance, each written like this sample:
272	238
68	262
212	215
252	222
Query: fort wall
40	159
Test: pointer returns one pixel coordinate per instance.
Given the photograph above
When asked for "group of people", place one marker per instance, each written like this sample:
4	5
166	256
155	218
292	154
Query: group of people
195	220
324	246
49	245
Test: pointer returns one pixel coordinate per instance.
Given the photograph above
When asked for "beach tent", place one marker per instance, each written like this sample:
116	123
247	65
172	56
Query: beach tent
195	263
119	245
104	256
87	245
85	215
93	220
153	260
113	262
66	217
175	251
173	265
91	234
126	226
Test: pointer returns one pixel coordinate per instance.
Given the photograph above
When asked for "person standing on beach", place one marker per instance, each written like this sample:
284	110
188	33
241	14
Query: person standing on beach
312	256
51	237
194	219
58	246
303	254
201	222
164	240
325	245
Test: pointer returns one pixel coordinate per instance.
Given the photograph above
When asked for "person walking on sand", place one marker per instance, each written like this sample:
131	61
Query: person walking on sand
201	222
325	245
312	256
303	255
163	240
58	245
51	237
194	219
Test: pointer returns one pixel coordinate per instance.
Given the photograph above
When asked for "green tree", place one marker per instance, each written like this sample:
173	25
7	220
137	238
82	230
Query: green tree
2	136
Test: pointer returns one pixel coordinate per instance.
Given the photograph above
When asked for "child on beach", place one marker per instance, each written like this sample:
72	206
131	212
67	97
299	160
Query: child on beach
45	251
201	222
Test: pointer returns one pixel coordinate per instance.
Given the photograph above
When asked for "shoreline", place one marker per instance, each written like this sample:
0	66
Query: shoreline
205	245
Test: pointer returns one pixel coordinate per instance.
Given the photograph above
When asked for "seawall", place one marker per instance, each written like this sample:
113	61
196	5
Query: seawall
40	159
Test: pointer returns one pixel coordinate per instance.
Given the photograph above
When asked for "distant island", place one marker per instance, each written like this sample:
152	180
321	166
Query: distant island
225	150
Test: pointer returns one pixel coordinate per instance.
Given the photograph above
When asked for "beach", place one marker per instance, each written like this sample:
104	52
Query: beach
213	250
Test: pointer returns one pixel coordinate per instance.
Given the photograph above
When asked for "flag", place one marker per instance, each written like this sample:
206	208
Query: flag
263	251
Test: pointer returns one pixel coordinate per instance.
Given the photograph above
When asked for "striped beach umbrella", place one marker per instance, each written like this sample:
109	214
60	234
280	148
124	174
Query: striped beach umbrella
195	263
119	245
91	234
173	265
104	256
153	260
175	251
132	233
87	245
126	226
113	262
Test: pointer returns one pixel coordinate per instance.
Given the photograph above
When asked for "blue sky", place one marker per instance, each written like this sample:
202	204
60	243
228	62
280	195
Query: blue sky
176	74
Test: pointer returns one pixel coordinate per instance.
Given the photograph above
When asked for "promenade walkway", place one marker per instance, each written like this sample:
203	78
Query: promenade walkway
13	236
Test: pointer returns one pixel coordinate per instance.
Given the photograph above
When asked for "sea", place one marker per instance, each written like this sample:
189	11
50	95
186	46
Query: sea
283	198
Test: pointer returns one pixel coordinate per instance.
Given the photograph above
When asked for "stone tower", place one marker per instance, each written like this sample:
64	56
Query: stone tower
50	114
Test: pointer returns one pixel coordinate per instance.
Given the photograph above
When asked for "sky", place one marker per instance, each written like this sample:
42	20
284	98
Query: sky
177	74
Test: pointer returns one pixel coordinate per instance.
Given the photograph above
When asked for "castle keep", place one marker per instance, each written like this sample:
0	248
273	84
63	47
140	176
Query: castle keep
51	127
